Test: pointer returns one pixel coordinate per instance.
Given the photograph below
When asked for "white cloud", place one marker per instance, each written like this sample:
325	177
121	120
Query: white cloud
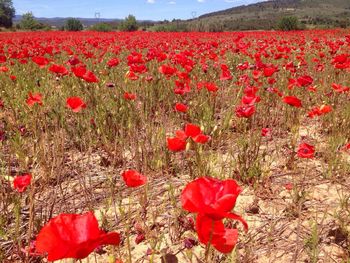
172	3
201	1
151	1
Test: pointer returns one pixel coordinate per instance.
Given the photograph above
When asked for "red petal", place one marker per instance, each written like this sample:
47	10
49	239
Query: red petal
201	138
175	144
133	178
192	130
215	233
238	218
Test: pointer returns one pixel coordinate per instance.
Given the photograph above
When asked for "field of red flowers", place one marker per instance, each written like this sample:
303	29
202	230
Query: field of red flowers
175	147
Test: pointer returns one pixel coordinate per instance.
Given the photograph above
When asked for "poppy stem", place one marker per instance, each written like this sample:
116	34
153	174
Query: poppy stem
207	248
31	218
128	232
146	196
198	159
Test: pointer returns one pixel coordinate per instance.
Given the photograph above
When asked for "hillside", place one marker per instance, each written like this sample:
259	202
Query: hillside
287	6
264	15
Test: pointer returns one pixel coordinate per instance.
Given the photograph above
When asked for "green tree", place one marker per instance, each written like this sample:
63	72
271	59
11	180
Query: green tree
288	23
73	24
7	12
129	24
28	22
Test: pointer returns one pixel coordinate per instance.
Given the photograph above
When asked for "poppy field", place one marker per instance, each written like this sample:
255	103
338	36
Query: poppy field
175	147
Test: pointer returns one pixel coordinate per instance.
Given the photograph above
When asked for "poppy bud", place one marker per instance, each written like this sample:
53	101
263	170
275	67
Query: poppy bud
110	85
190	243
139	238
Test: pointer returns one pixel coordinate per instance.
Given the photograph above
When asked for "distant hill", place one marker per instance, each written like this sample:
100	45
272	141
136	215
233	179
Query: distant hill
264	15
87	22
60	21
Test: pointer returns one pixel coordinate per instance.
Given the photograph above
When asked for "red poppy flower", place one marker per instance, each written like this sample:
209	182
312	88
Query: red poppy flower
341	61
167	70
325	109
250	91
83	73
250	100
306	151
131	75
305	80
256	74
90	77
129	96
21	182
201	138
318	111
339	88
133	178
180	107
314	112
182	87
293	101
176	144
213	231
271	81
76	104
4	69
73	61
243	66
138	68
243	111
79	71
212	197
73	236
192	130
342	58
211	87
179	142
225	73
58	69
40	61
113	62
3	59
268	72
34	99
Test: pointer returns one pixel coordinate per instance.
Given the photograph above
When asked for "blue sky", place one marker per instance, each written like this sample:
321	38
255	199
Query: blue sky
142	9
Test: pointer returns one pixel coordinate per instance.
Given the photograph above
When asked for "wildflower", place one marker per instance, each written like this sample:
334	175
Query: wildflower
73	236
